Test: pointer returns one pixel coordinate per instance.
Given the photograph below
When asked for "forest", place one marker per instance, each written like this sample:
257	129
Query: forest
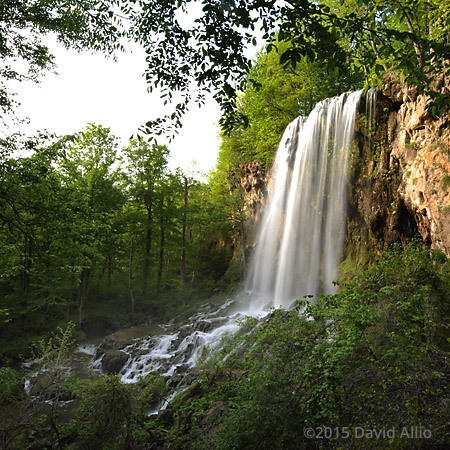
98	236
91	227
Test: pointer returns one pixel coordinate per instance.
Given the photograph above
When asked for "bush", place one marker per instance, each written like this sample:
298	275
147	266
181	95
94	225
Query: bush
15	414
106	416
11	386
372	357
152	389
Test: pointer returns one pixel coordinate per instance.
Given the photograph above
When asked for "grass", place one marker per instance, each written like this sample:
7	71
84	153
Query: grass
446	180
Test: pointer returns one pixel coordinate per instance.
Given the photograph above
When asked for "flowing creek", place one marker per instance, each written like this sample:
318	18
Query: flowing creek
300	242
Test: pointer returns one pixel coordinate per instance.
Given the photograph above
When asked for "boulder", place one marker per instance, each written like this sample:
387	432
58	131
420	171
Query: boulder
113	361
165	416
203	325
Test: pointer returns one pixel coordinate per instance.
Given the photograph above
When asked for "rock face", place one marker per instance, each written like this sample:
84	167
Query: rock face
400	183
251	180
249	184
424	157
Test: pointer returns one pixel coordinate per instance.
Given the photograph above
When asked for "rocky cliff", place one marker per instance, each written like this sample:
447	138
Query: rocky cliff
399	184
250	181
400	175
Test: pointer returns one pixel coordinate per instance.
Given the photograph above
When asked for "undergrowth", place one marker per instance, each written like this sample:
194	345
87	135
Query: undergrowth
364	368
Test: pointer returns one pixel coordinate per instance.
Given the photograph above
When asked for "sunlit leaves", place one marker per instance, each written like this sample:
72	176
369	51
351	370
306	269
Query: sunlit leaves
372	355
90	24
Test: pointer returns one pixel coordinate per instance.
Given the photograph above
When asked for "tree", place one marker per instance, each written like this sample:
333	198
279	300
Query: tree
30	217
147	165
87	24
188	183
95	200
276	96
406	36
188	58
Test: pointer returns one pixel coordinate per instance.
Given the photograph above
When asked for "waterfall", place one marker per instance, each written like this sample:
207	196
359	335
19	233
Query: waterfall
300	240
302	229
298	250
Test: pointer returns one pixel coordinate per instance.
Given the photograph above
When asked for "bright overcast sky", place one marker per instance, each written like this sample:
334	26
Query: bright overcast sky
92	89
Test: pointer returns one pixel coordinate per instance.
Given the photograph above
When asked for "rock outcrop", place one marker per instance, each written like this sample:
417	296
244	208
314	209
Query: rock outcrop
424	158
251	180
249	183
399	184
400	175
113	361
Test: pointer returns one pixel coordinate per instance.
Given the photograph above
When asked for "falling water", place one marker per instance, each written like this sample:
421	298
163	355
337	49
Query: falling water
303	226
299	245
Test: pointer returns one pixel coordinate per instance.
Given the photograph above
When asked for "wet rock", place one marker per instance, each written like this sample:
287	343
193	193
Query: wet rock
105	345
183	333
116	341
205	307
190	377
174	381
216	412
203	326
113	361
140	352
165	416
182	369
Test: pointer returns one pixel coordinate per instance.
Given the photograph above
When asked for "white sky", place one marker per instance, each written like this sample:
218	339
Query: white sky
92	89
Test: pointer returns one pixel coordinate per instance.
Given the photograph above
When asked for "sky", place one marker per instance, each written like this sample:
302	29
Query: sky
89	88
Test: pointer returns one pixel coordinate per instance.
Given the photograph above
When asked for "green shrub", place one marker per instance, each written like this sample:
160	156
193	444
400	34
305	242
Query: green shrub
106	416
152	389
11	386
372	357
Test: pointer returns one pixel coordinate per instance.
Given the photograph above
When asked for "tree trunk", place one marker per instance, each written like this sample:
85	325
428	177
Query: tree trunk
161	248
197	257
82	293
27	258
183	235
417	48
85	282
130	274
148	247
109	270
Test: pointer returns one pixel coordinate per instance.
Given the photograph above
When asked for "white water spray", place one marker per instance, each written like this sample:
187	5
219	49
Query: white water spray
303	226
298	249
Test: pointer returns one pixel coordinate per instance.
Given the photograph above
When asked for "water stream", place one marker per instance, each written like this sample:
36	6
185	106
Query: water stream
300	239
298	250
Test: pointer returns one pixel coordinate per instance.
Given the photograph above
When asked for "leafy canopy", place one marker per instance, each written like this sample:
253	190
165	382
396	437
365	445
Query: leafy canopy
274	96
351	36
187	58
24	54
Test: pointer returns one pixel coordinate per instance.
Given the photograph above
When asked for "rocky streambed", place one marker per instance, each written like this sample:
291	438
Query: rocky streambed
173	350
